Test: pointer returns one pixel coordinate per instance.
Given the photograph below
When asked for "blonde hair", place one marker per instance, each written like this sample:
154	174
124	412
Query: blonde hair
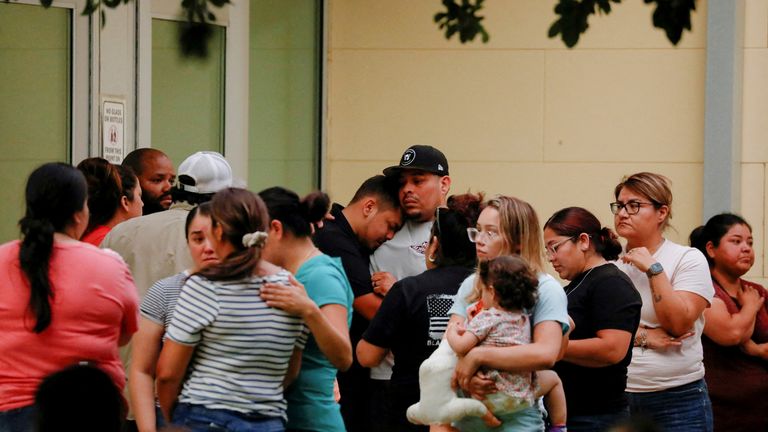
655	187
520	234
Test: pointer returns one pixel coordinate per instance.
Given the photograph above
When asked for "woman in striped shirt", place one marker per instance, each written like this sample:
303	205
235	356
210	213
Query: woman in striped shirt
245	352
156	313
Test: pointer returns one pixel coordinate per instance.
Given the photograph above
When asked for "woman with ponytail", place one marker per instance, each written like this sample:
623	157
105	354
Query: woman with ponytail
55	313
327	311
245	352
605	308
735	337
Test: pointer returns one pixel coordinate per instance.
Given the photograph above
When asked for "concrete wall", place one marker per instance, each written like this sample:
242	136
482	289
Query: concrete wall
754	205
521	115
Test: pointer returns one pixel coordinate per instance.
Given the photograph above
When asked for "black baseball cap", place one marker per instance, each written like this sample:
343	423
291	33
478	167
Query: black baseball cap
423	158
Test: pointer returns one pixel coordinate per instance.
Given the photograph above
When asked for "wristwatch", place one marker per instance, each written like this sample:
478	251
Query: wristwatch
654	269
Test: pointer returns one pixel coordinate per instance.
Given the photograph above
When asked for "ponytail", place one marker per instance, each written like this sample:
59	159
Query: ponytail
54	193
240	214
607	244
296	215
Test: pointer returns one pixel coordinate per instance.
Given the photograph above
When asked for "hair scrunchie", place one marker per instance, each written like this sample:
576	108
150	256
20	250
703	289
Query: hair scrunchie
255	239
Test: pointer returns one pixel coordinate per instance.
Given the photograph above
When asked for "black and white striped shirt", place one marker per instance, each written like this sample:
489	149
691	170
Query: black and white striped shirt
243	345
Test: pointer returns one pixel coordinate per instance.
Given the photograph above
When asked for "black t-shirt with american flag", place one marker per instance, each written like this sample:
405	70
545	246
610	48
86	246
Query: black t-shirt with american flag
413	318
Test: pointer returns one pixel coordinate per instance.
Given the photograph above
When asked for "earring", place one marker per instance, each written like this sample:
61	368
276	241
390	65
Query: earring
431	258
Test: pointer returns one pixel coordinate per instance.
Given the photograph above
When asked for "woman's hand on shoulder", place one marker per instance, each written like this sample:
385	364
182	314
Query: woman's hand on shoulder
291	298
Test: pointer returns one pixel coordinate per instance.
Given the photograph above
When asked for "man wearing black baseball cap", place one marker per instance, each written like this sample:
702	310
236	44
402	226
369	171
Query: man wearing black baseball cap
424	185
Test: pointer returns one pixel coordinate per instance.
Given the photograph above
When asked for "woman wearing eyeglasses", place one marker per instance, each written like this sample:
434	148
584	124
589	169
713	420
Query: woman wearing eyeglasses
666	375
605	308
414	313
509	226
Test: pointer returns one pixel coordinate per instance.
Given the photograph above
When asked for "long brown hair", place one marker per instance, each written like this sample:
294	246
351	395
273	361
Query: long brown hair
54	193
238	212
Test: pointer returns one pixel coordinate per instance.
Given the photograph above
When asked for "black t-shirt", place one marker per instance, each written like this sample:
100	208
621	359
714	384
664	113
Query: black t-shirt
337	239
603	299
413	318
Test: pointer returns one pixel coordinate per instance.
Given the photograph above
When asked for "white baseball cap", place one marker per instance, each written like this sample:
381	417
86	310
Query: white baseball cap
204	172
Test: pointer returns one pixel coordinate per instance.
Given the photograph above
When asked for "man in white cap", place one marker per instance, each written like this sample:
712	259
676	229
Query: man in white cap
154	246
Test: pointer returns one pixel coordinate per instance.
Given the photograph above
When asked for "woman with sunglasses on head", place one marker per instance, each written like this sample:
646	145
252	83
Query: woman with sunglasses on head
245	352
509	226
414	314
736	330
605	308
666	375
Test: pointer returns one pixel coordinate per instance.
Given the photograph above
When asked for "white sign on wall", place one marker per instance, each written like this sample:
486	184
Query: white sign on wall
112	130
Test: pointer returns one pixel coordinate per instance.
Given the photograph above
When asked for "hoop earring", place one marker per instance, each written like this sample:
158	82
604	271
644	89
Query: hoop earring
431	258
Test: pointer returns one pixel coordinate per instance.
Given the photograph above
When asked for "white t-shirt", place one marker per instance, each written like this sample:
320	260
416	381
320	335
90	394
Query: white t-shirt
656	370
403	256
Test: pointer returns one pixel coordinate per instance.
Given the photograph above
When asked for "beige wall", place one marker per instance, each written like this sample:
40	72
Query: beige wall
755	129
521	115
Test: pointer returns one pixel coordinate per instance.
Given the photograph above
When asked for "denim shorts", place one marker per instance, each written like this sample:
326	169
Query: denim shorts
681	409
198	418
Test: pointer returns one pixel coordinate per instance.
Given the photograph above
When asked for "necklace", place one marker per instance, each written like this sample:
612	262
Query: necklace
580	282
308	255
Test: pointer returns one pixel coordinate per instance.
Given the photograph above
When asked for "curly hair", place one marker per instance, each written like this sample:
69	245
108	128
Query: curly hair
512	279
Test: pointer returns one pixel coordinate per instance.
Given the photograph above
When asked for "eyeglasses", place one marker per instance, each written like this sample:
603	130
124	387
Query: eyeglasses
632	207
474	234
551	250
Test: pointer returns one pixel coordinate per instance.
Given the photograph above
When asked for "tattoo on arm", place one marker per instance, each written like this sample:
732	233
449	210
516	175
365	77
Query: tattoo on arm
656	296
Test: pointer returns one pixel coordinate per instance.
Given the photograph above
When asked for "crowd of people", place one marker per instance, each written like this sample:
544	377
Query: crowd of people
142	298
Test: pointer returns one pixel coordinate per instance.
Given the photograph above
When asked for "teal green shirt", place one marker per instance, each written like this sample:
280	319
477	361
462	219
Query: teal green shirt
311	405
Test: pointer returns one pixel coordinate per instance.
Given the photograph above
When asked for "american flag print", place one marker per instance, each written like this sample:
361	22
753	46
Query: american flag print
438	306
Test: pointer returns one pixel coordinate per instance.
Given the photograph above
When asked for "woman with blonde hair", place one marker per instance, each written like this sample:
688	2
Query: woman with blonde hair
666	375
510	226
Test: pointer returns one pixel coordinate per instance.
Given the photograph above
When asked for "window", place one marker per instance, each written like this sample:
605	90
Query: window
187	93
284	127
36	93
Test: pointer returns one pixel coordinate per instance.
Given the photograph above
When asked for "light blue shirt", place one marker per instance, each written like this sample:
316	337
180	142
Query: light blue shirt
552	304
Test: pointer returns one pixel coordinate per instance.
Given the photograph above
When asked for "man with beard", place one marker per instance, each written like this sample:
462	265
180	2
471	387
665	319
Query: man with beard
423	179
371	218
156	176
154	246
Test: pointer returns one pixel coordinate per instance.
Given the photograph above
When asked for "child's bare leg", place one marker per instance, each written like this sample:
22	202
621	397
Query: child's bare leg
551	388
